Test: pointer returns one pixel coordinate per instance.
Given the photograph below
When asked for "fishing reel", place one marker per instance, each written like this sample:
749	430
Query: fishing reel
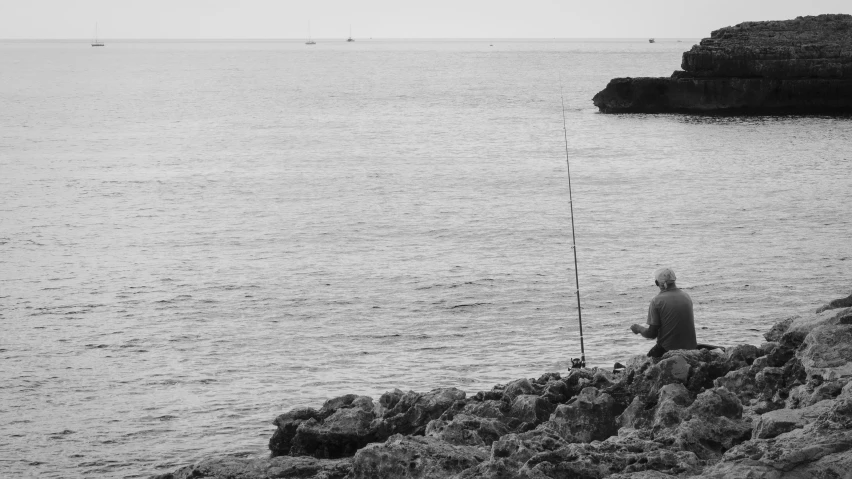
577	363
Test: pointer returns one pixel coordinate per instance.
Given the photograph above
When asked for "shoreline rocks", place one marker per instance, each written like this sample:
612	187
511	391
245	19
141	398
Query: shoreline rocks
800	66
783	409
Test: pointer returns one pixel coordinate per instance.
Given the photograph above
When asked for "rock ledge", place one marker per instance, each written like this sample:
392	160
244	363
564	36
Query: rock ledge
800	66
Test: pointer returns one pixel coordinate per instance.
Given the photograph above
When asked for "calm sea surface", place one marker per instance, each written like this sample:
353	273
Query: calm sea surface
196	237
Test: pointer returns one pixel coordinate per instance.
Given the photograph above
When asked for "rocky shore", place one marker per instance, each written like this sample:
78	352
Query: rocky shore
793	66
781	409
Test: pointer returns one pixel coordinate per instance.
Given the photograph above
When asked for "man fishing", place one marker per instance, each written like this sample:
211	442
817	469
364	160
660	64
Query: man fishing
670	318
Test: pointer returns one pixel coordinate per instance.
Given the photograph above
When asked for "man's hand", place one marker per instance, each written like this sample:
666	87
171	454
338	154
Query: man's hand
637	328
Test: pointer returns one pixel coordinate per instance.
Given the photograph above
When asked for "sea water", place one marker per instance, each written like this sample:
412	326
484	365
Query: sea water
196	237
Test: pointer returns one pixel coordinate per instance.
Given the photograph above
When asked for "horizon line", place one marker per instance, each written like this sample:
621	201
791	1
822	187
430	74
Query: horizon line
338	38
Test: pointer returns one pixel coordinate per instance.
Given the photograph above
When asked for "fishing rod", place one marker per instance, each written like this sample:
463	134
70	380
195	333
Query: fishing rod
581	363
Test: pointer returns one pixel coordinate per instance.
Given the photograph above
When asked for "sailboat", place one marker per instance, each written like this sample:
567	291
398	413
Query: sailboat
310	42
97	43
350	39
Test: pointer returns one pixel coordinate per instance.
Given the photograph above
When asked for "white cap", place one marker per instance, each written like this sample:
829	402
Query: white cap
665	275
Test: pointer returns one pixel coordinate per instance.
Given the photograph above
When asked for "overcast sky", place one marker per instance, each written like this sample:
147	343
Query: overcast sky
194	19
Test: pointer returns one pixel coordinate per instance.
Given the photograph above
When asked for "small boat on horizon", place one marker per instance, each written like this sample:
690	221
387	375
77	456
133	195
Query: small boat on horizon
96	42
310	42
651	40
350	39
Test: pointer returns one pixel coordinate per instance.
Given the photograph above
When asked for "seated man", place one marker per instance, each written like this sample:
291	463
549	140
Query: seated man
670	318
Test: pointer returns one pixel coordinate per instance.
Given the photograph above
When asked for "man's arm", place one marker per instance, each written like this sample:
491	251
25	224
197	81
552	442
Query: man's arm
650	332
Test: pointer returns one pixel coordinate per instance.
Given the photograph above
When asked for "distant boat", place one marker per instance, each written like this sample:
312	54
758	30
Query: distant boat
650	40
310	42
350	39
95	42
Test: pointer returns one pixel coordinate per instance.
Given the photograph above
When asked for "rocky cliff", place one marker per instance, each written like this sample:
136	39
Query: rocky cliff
781	409
793	66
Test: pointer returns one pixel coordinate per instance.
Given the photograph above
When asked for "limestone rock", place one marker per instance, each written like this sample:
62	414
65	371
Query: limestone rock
820	449
663	411
837	303
414	457
742	355
278	467
713	425
519	448
733	95
287	424
412	411
468	430
793	66
517	388
339	435
828	351
531	409
777	422
805	47
589	417
814	391
627	454
778	330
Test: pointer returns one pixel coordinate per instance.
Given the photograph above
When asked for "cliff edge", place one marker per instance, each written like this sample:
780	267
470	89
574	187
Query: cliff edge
791	66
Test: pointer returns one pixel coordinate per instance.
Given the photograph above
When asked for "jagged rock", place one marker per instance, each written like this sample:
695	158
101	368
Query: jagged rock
805	47
340	427
820	449
557	392
519	448
531	409
625	454
339	435
642	475
482	422
468	430
489	409
517	388
414	457
837	303
742	355
766	384
814	391
795	334
782	352
284	467
777	422
714	425
387	401
778	329
643	379
676	368
412	412
671	409
589	417
287	424
828	351
542	454
741	381
798	66
662	411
